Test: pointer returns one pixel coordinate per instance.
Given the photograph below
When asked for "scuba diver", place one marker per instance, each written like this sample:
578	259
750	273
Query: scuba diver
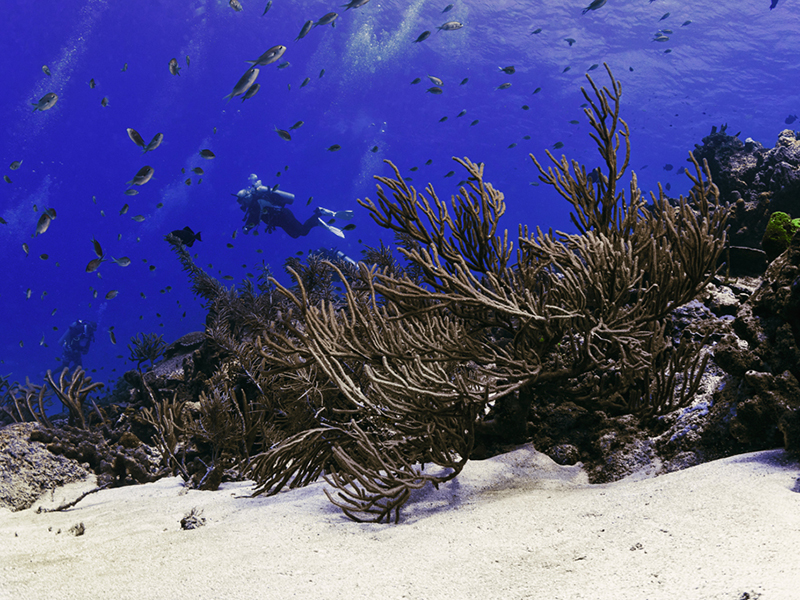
76	341
266	205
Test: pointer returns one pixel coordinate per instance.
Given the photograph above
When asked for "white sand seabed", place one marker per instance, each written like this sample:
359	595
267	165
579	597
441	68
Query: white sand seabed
512	527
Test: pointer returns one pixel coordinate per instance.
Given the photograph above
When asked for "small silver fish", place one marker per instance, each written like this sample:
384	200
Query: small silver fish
329	18
173	66
236	5
155	142
46	102
269	57
305	29
46	70
266	10
251	91
244	83
142	176
452	26
136	138
354	4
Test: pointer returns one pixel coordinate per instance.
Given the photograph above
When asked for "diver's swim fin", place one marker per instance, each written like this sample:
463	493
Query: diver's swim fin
328	214
331	228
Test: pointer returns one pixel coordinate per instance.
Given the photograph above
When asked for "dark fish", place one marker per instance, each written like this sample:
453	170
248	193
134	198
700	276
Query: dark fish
354	4
188	181
297	125
92	83
510	70
206	153
429	161
112	337
235	5
17	163
464	81
448	8
685	23
668	167
142	176
306	28
537	90
514	145
503	86
269	57
284	134
773	4
415	81
680	171
155	142
188	61
450	26
187	236
536	31
46	102
46	70
252	90
570	41
434	90
664	16
98	249
475	122
593	67
124	209
574	122
104	102
525	107
266	10
244	83
173	66
334	148
198	170
566	69
136	138
668	187
138	219
329	18
789	120
124	67
131	192
112	294
321	73
422	37
558	145
443	119
306	81
349	227
450	173
462	113
594	6
93	265
374	149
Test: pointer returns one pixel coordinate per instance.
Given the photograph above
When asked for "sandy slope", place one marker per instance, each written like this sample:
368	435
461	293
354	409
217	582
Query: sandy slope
516	526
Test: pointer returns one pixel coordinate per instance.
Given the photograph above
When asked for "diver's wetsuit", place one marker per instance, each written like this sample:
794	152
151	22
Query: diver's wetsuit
76	343
268	206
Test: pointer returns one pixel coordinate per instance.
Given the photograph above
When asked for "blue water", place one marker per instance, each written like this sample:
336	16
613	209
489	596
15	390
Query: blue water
736	63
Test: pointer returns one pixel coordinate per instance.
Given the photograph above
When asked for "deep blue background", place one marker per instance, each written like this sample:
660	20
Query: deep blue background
736	63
